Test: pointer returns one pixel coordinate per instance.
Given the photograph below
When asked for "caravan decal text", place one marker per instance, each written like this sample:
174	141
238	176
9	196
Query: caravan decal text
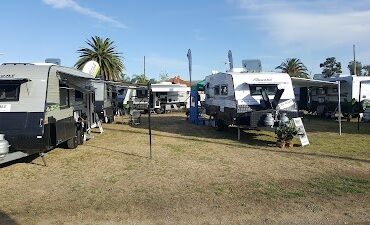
7	76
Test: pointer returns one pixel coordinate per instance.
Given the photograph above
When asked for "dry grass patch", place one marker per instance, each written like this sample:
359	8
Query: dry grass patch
197	176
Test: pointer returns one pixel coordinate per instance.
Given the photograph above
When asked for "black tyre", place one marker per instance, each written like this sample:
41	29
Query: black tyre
160	111
80	137
220	125
72	143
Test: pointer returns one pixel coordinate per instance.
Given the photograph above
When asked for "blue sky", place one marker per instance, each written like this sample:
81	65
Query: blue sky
163	30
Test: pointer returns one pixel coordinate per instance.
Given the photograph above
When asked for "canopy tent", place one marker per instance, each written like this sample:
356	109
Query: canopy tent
199	86
303	82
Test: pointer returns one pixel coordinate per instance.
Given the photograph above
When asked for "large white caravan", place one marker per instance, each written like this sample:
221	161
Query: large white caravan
350	89
42	106
243	98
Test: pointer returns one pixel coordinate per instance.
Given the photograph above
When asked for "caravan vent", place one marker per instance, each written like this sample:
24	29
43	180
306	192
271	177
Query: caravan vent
252	65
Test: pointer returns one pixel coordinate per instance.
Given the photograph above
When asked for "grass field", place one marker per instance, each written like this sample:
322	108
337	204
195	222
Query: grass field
197	176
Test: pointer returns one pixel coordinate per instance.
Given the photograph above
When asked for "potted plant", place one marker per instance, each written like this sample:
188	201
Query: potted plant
285	133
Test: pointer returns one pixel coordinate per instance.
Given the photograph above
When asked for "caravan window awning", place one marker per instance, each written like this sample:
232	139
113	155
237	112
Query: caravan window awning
127	85
81	88
15	80
303	82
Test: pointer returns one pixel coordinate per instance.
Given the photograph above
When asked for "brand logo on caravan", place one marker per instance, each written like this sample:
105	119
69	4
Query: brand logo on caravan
7	75
262	79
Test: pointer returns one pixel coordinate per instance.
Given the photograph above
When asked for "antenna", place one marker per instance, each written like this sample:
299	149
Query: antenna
231	61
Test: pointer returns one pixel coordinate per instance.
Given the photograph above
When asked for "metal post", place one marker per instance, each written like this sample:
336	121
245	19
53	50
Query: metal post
144	67
339	110
190	65
149	120
359	107
238	133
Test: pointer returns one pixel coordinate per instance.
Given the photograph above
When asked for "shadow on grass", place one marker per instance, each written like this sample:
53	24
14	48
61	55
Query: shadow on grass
317	124
26	160
178	126
115	151
6	220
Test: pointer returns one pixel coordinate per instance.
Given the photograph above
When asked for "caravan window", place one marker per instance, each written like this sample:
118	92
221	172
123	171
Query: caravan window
141	93
270	89
79	97
9	92
64	97
224	90
217	90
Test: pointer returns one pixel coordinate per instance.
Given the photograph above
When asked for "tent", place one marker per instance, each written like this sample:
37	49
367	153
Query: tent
199	86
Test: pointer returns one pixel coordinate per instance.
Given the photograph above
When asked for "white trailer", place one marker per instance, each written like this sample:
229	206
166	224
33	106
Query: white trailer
42	106
242	98
350	90
164	95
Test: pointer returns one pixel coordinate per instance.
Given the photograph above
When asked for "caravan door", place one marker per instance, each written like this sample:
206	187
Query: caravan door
91	118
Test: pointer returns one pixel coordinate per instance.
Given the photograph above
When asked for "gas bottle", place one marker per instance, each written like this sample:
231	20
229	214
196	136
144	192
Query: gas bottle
4	146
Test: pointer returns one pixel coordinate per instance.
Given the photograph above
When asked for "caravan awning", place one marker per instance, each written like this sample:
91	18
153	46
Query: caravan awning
303	82
127	85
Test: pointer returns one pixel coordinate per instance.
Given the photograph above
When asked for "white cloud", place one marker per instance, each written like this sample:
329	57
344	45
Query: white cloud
72	5
313	23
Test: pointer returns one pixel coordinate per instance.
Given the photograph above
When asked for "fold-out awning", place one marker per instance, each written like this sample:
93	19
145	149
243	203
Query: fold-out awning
303	82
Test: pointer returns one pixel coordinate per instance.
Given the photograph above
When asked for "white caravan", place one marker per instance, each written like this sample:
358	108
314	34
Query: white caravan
42	106
164	96
350	89
242	98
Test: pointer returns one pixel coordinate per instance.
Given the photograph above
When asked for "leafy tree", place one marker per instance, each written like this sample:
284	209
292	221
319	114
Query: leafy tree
125	78
331	67
140	79
104	52
366	69
294	67
358	68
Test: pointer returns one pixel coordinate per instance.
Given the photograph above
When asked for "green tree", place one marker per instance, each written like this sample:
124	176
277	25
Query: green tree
366	69
140	79
358	68
104	52
125	78
331	67
294	67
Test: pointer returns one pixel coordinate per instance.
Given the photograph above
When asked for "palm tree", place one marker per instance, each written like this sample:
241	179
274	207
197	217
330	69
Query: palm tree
140	79
294	67
104	52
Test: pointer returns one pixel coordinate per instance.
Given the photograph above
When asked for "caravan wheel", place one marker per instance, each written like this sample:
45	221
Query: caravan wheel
160	111
80	137
72	143
220	125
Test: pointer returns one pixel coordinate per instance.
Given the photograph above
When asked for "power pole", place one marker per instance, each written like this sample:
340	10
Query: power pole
354	60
